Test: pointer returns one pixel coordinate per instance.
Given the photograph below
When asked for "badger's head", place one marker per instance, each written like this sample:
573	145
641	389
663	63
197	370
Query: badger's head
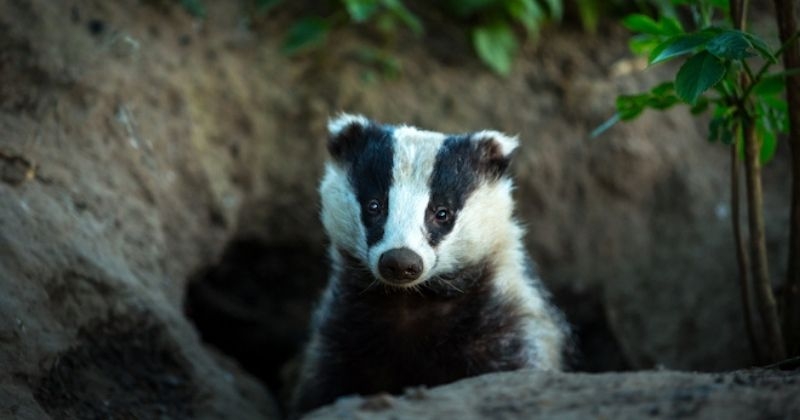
410	204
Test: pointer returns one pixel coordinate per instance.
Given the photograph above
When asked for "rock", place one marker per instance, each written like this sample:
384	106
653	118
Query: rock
748	394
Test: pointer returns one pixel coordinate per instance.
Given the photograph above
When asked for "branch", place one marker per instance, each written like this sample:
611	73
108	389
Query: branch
755	204
767	64
738	8
762	287
741	255
787	25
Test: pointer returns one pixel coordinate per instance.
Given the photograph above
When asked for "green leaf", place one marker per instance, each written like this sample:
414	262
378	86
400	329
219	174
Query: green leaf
262	6
641	23
496	46
195	8
721	128
589	11
730	45
679	45
776	103
638	22
643	44
401	11
769	142
386	23
721	125
662	96
714	129
630	106
720	4
697	74
304	34
361	10
531	25
465	8
769	86
670	26
665	88
389	66
662	102
701	106
556	9
726	133
771	117
739	146
761	47
527	12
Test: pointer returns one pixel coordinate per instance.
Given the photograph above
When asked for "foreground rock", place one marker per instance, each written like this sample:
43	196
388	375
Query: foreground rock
527	395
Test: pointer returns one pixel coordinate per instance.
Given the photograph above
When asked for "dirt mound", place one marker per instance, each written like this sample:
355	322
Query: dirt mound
106	207
525	395
119	370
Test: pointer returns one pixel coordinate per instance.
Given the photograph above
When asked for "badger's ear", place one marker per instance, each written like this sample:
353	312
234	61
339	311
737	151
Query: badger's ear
346	132
494	150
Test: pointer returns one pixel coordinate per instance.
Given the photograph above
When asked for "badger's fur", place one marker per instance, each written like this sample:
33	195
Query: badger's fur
430	281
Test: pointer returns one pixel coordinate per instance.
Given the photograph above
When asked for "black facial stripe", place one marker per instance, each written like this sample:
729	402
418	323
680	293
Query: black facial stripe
454	177
371	177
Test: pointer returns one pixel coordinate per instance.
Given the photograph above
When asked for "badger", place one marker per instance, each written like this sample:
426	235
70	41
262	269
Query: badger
430	281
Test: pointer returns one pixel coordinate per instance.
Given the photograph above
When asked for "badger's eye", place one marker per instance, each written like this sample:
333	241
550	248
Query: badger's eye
374	207
442	215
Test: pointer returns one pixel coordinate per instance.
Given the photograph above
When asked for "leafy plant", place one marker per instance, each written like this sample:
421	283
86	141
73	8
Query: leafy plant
748	113
387	15
194	7
306	33
494	27
492	24
493	35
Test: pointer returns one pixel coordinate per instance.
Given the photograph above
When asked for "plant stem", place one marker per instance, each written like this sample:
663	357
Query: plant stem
787	26
787	71
758	249
741	256
762	285
737	8
787	42
749	75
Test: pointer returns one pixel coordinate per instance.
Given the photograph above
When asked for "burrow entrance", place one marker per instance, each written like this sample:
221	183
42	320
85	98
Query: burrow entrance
255	304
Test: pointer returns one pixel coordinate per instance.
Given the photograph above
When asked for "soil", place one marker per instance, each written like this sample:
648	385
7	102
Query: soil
94	379
160	249
646	394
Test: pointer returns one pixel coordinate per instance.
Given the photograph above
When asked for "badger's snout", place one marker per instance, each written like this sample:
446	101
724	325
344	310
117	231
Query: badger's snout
400	265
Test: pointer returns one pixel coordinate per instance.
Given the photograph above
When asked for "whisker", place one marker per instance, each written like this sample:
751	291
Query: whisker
369	286
448	284
417	288
451	285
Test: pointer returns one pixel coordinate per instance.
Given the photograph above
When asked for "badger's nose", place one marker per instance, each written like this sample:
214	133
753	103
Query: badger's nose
400	265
